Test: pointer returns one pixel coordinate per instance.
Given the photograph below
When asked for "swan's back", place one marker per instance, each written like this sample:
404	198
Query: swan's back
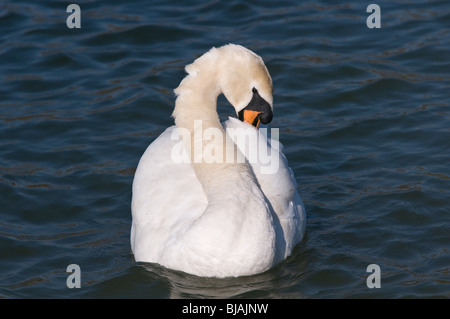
168	198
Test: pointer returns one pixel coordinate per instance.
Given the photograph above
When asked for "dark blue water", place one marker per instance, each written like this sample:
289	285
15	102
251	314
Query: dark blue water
364	115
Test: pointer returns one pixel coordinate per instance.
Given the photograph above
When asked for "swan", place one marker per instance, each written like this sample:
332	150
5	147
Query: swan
220	217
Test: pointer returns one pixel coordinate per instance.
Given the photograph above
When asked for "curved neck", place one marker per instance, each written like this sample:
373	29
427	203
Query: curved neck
196	101
212	151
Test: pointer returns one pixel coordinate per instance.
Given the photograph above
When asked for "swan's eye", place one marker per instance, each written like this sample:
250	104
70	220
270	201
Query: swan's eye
254	90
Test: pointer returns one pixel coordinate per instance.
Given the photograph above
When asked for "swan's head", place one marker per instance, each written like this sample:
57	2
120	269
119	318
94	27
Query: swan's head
240	75
246	83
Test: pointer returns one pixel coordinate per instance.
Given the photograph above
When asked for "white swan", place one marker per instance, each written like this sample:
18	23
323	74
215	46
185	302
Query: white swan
225	217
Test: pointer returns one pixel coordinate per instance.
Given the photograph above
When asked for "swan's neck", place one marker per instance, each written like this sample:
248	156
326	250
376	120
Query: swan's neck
196	112
197	101
237	218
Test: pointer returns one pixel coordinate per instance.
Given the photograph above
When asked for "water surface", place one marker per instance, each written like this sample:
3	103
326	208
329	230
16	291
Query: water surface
363	115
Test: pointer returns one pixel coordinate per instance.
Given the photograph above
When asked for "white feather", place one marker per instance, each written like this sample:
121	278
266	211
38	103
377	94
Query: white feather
215	220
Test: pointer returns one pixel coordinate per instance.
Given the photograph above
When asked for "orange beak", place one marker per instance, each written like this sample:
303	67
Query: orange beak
252	117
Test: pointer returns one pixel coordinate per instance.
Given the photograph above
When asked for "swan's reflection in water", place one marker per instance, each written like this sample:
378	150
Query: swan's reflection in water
275	283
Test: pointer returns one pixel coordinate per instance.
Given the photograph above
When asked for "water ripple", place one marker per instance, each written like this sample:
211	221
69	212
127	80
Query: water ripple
363	115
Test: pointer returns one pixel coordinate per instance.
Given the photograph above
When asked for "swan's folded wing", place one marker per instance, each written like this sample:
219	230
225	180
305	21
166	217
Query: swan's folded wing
275	177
